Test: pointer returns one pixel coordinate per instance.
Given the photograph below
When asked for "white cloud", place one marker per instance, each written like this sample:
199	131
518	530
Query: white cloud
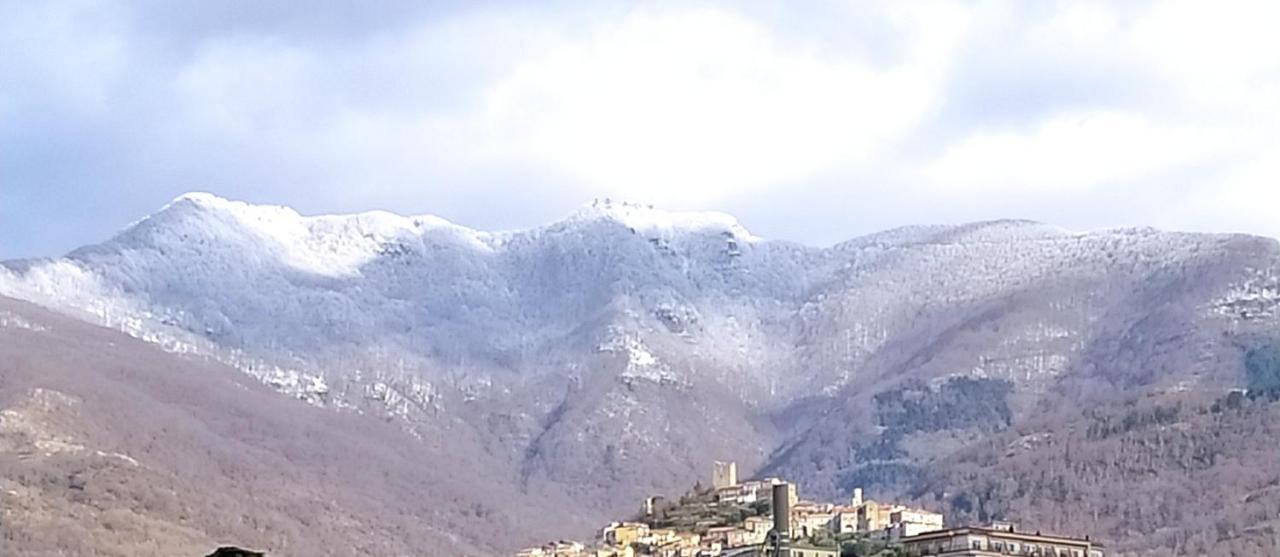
1223	56
1244	199
696	106
963	104
246	87
1072	152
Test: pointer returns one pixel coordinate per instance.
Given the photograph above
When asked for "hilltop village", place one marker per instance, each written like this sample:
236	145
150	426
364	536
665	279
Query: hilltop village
734	519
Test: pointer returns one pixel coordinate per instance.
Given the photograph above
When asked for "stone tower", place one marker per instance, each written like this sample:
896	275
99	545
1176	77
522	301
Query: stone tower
724	474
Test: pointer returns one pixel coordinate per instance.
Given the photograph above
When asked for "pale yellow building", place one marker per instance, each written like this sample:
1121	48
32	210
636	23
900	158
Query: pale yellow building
621	534
758	524
660	536
887	521
874	516
684	544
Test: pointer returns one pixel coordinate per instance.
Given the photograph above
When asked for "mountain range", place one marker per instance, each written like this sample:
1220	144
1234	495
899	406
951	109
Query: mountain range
519	385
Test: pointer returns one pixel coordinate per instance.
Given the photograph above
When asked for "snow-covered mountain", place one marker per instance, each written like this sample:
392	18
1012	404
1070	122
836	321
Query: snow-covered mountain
616	352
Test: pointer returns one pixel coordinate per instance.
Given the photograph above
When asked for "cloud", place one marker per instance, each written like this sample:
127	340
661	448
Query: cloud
691	107
1071	152
815	122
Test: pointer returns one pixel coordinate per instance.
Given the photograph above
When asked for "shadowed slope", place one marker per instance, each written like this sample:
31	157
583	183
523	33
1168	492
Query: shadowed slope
110	447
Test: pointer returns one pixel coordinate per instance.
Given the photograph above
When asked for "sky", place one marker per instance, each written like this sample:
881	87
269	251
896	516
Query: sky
810	121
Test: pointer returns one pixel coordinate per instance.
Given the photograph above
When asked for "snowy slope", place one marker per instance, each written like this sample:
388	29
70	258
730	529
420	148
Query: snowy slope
590	347
270	282
375	293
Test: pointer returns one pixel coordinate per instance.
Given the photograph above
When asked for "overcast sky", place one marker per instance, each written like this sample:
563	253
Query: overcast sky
812	122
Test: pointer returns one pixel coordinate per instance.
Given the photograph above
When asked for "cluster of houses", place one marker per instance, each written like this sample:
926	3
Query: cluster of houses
875	520
810	525
635	539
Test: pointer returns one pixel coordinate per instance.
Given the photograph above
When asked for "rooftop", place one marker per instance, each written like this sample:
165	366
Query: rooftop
952	532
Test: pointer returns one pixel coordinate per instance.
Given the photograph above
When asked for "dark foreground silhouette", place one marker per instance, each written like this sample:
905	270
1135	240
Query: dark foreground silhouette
235	552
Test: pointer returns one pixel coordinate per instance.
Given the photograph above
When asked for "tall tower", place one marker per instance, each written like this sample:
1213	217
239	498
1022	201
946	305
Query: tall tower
724	474
779	538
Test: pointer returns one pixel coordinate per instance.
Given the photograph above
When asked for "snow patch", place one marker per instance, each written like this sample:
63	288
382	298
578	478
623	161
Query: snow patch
15	321
1256	297
642	363
118	456
657	223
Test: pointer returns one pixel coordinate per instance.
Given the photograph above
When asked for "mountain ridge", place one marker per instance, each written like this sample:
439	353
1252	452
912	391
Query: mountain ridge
615	353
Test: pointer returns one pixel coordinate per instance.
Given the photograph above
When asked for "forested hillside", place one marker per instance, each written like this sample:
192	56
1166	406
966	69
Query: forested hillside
616	353
109	446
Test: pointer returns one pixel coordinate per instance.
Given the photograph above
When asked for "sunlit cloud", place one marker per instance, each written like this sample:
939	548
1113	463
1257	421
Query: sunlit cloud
507	115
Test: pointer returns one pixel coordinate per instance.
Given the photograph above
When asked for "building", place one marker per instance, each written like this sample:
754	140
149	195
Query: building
805	524
726	536
812	507
653	505
982	542
905	522
845	521
758	525
754	490
623	534
762	490
884	521
743	537
736	495
760	485
683	544
793	497
660	537
911	522
802	550
562	548
724	474
874	516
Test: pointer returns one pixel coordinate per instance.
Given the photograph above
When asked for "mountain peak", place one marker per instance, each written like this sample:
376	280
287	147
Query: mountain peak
200	198
659	222
211	202
330	245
